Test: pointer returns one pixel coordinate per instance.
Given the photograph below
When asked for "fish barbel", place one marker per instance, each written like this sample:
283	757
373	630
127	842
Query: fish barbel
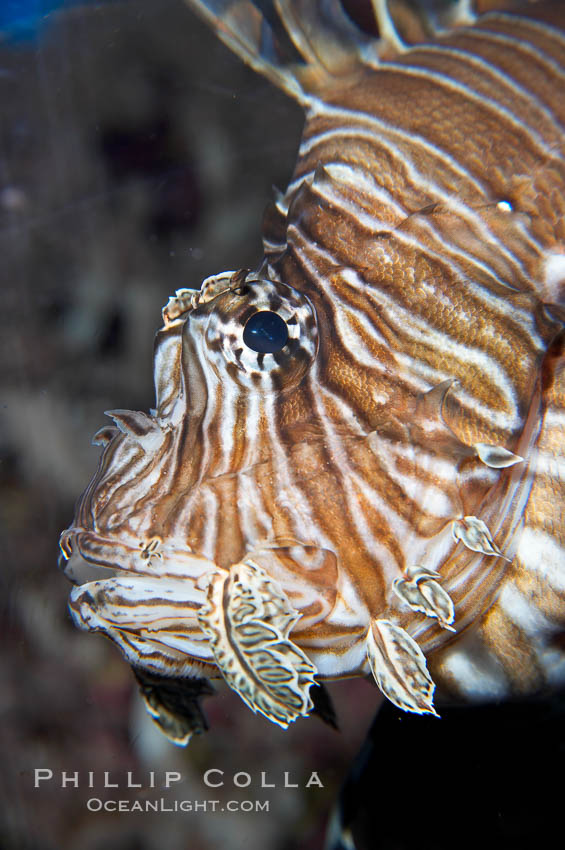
355	463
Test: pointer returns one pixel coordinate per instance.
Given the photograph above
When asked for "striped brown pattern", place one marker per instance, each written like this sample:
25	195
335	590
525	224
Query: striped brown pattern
419	257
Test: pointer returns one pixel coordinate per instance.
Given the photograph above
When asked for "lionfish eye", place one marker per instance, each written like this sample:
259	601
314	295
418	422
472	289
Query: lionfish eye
264	338
265	332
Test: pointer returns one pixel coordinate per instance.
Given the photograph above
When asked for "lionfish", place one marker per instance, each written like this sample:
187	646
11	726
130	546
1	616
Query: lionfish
355	464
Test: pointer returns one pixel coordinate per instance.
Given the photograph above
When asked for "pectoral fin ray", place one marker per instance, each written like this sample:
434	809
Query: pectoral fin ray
173	703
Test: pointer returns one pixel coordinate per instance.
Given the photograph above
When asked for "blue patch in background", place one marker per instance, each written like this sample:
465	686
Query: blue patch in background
22	20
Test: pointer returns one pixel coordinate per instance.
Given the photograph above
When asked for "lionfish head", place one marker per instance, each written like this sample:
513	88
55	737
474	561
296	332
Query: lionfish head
228	360
213	526
185	492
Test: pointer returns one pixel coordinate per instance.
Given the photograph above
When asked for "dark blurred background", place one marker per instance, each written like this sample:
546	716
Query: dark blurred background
136	157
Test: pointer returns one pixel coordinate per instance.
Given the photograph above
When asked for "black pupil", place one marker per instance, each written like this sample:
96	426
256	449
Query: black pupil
265	332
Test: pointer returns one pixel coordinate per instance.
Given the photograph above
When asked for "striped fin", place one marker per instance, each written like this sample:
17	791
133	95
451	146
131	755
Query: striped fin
294	43
297	44
174	704
248	619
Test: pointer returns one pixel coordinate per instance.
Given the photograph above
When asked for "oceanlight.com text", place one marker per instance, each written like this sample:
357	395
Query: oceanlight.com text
95	804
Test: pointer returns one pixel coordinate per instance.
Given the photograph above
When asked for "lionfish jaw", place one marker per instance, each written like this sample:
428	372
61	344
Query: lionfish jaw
153	620
181	616
142	588
184	620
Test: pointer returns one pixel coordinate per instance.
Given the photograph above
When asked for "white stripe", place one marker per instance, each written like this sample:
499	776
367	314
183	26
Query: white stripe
444	469
375	547
353	343
253	413
490	239
255	523
483	100
518	316
523	613
529	23
296	237
271	247
551	465
540	553
432	190
554	275
430	498
475	679
330	191
518	44
226	418
483	474
502	77
378	225
362	182
210	511
410	542
407	323
555	418
378	130
335	664
289	495
212	402
419	330
348	415
554	666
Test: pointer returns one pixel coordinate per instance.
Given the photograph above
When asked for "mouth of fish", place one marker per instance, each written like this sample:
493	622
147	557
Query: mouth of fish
88	550
182	620
140	595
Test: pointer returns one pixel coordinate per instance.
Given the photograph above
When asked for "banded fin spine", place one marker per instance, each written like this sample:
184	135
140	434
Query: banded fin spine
296	44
